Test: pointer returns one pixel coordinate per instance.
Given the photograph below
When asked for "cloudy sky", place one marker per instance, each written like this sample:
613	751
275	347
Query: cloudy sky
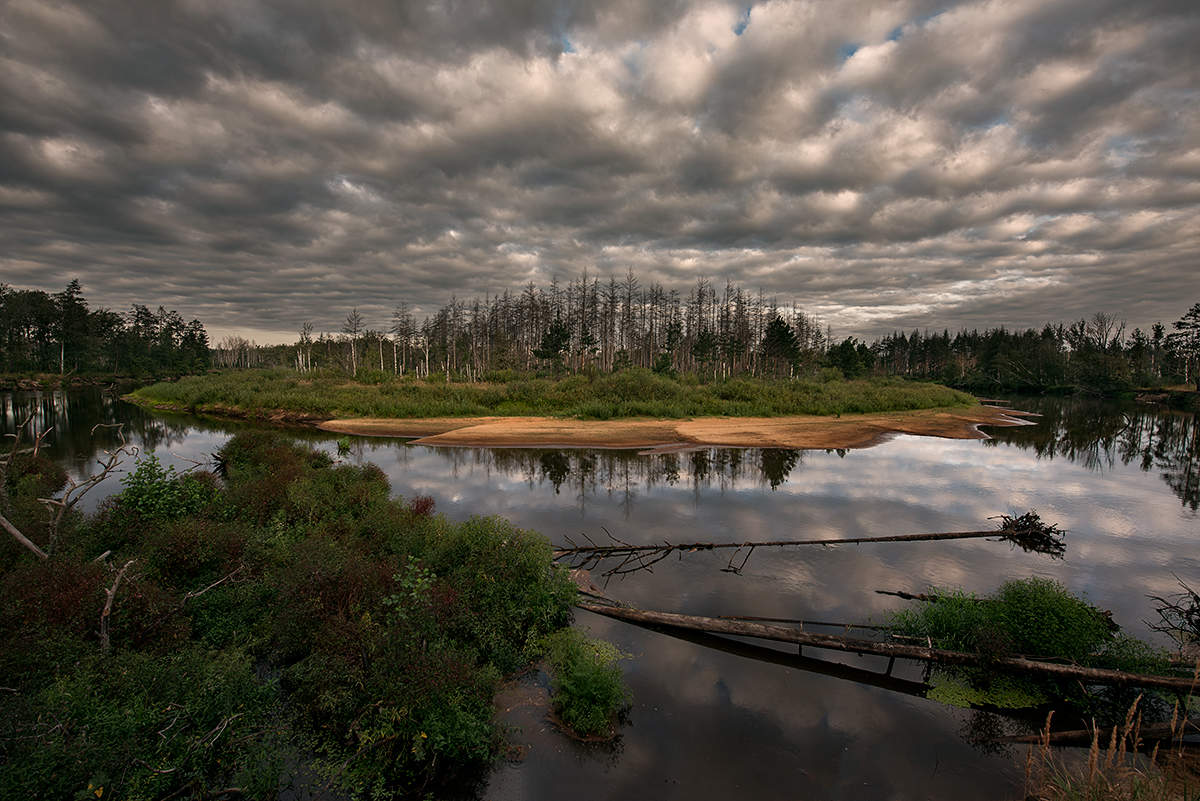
883	164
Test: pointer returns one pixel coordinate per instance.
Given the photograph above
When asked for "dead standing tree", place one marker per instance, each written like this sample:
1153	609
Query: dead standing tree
58	508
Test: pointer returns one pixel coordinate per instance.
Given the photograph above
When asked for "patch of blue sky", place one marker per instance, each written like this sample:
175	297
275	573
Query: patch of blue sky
987	123
743	22
916	22
567	47
847	50
1123	149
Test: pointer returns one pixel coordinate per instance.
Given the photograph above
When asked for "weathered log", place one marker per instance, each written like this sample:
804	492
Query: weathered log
1152	732
890	649
622	550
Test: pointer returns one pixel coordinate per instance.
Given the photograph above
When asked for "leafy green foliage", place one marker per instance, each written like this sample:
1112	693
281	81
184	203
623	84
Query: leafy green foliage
588	691
158	493
294	617
626	393
1034	617
1031	617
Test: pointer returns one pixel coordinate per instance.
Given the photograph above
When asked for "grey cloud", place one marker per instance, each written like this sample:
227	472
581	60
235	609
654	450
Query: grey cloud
891	165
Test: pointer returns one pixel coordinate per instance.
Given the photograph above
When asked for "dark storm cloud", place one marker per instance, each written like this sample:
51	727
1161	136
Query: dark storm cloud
903	164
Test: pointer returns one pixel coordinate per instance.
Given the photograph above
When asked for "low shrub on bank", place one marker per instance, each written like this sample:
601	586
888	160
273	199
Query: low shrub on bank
588	691
293	623
632	392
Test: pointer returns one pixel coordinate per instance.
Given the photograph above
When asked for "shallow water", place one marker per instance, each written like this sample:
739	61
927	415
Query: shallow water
711	724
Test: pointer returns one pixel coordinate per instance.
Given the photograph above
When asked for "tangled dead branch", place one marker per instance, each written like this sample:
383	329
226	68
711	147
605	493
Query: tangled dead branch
1179	615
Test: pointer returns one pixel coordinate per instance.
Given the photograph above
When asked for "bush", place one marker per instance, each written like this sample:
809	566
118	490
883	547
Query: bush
158	493
1035	617
295	615
588	691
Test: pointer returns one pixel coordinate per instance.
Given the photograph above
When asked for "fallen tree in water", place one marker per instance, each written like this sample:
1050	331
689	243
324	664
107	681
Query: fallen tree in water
926	653
1026	532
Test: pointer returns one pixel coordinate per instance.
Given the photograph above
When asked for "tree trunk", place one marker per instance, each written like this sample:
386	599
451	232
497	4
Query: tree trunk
860	646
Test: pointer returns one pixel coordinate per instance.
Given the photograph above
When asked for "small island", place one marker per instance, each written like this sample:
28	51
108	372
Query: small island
634	408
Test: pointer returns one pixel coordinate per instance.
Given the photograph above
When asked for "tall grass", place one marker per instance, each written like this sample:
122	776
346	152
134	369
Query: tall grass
1116	771
629	393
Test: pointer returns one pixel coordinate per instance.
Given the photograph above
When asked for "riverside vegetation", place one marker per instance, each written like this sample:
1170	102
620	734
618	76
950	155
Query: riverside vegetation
279	622
633	392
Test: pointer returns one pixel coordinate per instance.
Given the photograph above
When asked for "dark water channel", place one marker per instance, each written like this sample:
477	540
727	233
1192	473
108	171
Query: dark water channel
710	724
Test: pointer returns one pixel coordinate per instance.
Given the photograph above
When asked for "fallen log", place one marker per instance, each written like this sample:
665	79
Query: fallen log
1027	532
1152	732
892	649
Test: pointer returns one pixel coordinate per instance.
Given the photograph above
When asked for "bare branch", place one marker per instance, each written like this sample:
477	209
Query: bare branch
214	585
111	592
21	538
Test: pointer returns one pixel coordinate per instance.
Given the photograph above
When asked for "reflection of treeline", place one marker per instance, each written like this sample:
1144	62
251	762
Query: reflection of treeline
59	333
1090	434
590	472
73	415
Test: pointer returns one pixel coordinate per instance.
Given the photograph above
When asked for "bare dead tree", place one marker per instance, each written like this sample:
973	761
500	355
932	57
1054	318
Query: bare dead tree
5	466
111	595
76	490
1026	531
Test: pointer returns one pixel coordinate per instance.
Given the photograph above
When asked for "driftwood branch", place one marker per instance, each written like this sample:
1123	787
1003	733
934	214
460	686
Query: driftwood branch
111	593
890	649
21	538
76	490
1027	532
213	586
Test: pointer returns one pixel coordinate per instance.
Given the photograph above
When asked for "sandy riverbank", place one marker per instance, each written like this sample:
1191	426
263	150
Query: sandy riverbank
849	431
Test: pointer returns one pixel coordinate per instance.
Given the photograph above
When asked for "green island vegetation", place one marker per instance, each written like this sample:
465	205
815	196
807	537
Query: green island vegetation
589	693
1037	618
633	392
278	622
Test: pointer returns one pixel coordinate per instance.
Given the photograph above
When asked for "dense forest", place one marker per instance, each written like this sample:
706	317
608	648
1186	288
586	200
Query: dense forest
590	325
59	333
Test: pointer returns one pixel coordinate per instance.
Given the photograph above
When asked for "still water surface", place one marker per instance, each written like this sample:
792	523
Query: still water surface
707	724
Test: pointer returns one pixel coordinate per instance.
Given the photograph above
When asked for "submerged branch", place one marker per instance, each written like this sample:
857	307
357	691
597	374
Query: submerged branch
1027	532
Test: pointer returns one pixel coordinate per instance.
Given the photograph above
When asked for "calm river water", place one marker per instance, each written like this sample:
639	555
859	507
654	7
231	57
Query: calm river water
709	724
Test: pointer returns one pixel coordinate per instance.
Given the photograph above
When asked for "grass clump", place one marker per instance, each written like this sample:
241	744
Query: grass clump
1035	617
627	393
588	691
290	621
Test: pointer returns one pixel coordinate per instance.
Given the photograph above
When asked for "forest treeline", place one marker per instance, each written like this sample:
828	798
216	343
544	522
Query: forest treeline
59	333
594	325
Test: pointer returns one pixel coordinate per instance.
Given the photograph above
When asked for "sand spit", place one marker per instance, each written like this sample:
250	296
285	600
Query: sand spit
800	431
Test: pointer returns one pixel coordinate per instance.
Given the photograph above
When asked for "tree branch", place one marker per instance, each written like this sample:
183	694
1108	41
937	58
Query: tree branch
105	643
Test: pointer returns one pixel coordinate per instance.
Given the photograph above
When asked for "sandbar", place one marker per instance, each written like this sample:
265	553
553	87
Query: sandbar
798	431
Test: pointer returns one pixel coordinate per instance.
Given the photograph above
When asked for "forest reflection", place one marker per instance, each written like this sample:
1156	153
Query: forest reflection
72	417
587	473
1100	435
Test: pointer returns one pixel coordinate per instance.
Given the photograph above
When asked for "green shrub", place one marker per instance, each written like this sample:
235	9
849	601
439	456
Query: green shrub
1034	617
588	690
158	493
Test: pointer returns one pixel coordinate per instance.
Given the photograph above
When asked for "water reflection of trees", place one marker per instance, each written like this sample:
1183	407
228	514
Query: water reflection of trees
1101	435
615	472
72	415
